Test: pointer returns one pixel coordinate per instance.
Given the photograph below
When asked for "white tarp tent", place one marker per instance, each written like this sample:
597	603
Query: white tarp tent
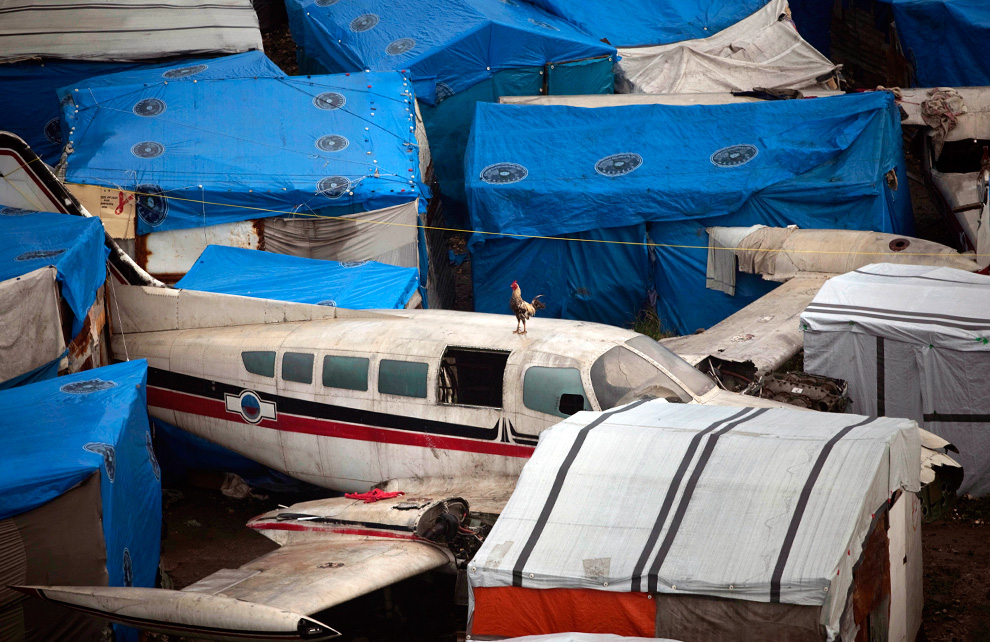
125	29
912	342
769	509
762	50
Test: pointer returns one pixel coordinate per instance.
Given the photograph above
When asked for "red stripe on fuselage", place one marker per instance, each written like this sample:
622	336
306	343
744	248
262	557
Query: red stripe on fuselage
203	406
364	532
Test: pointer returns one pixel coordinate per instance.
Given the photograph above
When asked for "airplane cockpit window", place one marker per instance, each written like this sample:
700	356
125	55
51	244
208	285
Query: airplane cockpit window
259	362
406	378
349	373
471	377
298	367
696	381
620	371
555	391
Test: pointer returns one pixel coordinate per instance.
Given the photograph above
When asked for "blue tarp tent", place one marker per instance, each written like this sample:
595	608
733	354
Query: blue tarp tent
29	102
945	40
234	139
74	245
619	173
57	435
633	23
455	53
358	285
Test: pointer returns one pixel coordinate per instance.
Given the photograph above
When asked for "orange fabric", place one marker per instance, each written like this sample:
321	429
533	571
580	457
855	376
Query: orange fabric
513	611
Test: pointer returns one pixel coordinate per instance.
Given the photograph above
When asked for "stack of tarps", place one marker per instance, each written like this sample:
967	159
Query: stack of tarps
597	180
709	523
175	159
45	260
912	342
47	46
456	53
80	496
944	40
675	46
359	285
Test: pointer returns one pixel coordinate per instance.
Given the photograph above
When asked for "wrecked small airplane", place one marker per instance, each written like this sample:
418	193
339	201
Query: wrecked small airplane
443	406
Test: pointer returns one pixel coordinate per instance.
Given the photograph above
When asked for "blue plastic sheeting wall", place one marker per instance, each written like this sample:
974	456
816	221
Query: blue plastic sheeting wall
553	171
359	285
29	100
233	139
73	244
445	46
459	52
945	40
575	281
56	433
631	23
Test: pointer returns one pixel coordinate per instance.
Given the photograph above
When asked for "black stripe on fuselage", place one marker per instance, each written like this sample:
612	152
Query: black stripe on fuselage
317	410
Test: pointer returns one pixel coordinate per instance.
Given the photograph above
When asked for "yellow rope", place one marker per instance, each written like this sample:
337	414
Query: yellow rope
526	236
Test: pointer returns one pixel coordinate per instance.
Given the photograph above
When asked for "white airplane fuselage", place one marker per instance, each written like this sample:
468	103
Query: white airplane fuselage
347	403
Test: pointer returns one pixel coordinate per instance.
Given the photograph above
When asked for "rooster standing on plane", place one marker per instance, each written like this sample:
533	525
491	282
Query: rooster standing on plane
521	309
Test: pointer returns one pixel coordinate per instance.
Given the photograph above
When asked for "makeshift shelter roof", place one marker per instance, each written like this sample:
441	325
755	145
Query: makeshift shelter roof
74	245
945	40
57	433
913	342
126	29
630	23
358	285
937	306
233	139
551	171
446	46
764	505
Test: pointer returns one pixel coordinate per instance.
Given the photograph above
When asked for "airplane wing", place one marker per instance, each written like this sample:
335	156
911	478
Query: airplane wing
762	336
333	550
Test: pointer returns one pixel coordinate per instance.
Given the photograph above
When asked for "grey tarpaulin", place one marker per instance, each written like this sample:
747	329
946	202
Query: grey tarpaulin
765	505
912	342
388	235
126	29
30	318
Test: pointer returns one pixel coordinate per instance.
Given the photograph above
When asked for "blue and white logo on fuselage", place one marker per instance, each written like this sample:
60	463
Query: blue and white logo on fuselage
250	406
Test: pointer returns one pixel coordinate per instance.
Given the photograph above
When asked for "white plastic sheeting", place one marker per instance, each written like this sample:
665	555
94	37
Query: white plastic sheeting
764	50
126	29
31	322
751	504
912	342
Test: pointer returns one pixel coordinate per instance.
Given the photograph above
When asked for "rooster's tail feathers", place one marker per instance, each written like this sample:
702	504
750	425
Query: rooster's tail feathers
537	304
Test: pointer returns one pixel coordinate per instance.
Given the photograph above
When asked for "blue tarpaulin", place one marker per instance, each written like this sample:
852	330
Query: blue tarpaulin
57	433
455	53
359	285
608	173
233	139
631	23
73	244
29	100
945	40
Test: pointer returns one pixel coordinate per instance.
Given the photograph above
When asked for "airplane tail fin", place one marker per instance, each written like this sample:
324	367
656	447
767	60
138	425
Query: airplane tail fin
198	615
